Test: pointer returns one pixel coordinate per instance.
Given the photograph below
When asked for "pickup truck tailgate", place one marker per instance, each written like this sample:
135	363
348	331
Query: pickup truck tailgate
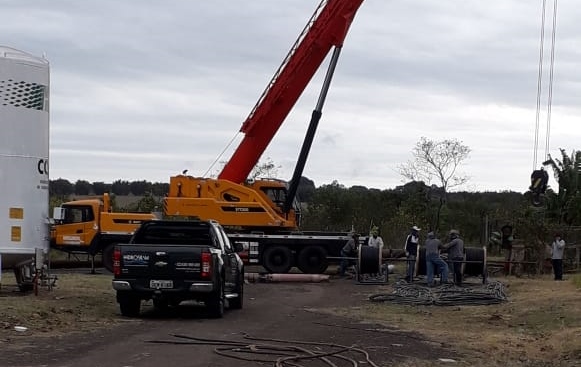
145	264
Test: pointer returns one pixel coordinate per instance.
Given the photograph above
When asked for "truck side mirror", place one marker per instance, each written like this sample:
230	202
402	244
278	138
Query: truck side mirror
58	213
238	247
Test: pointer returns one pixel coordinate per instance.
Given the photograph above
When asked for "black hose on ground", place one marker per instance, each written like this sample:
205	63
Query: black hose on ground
287	354
445	295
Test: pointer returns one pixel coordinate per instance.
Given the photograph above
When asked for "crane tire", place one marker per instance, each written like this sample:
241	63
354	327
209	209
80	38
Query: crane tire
313	260
277	259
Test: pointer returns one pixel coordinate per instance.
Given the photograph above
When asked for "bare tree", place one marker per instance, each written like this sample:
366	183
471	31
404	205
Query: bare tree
265	169
437	162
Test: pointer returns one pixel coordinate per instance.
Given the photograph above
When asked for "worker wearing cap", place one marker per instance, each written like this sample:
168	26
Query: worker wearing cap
433	259
349	250
455	249
411	251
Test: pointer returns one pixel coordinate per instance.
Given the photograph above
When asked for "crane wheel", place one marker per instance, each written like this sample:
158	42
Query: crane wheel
277	259
313	260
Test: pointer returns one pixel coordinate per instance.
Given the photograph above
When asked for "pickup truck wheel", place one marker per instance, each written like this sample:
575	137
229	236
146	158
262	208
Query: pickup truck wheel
107	257
215	306
130	306
313	260
277	259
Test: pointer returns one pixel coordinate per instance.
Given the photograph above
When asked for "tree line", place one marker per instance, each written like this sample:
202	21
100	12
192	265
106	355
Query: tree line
335	207
62	188
425	204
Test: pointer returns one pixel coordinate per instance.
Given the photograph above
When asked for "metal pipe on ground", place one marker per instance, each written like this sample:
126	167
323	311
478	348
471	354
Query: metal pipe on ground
281	278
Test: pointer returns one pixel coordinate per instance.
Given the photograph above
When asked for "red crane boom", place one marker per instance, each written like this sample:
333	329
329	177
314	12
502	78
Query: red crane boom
327	28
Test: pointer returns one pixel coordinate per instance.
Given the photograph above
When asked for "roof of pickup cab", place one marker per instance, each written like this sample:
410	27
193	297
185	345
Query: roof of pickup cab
173	231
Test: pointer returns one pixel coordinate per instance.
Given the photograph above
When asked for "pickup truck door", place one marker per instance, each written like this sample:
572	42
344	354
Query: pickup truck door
230	261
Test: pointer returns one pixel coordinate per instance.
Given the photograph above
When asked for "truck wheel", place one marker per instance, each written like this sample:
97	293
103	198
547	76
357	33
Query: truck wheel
215	305
236	303
277	259
107	257
313	260
130	306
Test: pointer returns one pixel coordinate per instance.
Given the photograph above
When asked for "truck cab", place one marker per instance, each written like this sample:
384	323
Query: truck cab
90	226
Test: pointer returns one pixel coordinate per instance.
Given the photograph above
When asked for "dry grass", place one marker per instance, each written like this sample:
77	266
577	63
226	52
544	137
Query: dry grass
78	302
540	325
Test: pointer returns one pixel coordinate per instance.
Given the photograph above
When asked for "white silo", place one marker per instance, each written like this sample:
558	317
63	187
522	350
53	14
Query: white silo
24	149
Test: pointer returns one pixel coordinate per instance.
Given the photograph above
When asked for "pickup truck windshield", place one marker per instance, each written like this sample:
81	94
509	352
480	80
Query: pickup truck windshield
159	235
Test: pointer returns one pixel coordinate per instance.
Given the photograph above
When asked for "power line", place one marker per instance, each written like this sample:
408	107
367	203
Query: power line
539	84
550	96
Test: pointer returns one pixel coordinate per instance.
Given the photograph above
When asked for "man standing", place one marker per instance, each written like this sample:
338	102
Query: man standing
411	251
557	250
433	259
349	250
375	240
455	249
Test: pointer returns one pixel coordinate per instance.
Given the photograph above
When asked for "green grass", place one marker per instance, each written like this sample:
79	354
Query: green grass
577	280
78	302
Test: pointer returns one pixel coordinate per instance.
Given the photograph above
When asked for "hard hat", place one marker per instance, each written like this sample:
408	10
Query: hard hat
454	232
415	228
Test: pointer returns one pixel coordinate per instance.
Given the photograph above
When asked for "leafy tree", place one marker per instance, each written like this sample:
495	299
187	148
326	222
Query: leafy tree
60	187
83	187
121	187
564	205
159	188
415	205
140	188
437	161
99	188
55	201
147	204
306	189
329	209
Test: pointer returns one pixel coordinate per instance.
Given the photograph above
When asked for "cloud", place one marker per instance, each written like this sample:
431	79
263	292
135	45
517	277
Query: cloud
143	92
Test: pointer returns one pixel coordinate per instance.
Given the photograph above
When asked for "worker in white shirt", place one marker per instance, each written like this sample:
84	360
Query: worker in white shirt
375	239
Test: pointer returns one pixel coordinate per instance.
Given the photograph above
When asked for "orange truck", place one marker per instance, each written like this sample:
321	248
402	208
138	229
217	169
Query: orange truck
91	227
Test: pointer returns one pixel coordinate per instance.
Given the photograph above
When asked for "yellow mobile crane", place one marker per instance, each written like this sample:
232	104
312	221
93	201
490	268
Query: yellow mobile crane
264	214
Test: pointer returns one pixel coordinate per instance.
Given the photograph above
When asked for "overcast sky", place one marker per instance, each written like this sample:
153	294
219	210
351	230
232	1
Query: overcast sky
145	89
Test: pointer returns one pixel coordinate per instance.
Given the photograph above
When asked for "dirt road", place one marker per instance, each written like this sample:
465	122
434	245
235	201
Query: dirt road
282	311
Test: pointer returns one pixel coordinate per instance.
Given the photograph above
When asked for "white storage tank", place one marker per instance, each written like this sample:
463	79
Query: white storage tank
24	149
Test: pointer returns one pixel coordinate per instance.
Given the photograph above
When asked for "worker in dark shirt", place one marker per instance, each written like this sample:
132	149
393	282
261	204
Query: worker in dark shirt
411	251
433	260
539	181
455	249
349	250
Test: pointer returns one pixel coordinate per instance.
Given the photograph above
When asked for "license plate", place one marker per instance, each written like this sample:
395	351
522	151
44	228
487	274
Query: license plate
161	284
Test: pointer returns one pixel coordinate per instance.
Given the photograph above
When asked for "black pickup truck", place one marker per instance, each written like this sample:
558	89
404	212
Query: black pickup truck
174	261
